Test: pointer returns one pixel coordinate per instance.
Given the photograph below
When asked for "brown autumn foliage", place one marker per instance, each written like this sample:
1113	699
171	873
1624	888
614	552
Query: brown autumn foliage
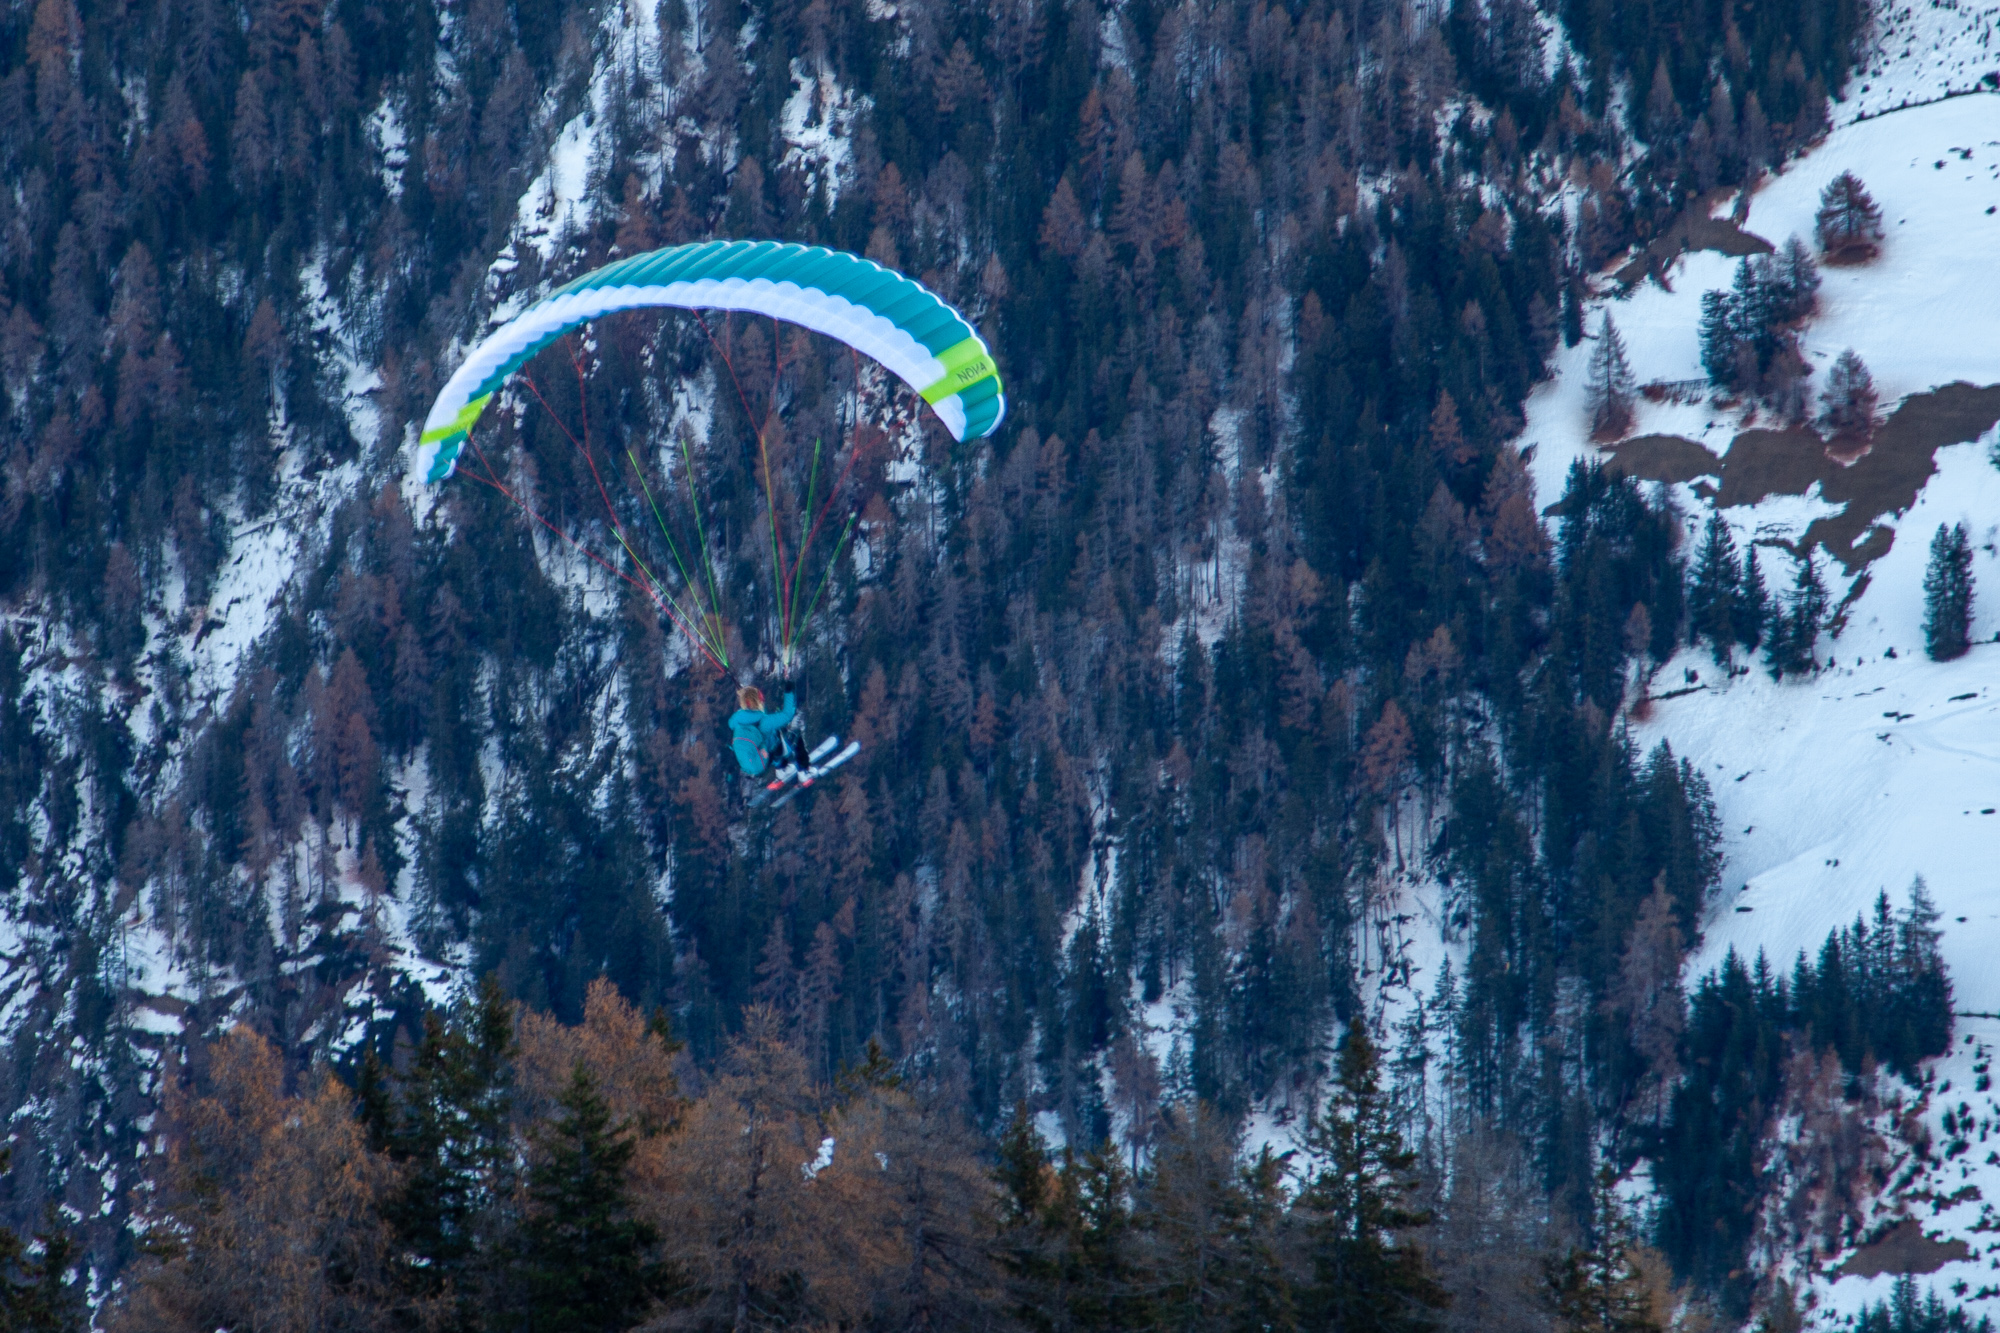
780	1200
266	1216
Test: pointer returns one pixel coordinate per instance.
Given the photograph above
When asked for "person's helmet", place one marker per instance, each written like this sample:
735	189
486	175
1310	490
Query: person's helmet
749	696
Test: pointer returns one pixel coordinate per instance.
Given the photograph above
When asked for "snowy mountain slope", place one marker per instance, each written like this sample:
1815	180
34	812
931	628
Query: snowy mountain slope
1923	51
1885	766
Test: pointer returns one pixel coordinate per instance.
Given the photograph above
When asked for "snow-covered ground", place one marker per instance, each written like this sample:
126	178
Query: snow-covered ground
1880	768
1922	50
1923	313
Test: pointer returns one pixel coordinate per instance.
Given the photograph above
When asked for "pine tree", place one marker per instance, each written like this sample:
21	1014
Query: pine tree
1715	592
1848	402
1849	221
1610	388
584	1257
1718	338
1355	1205
1753	604
1948	594
1599	1289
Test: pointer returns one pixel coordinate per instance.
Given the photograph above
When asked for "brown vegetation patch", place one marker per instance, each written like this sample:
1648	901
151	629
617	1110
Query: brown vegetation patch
1906	1249
1663	458
1763	463
1694	229
1850	256
1882	478
1903	458
1724	236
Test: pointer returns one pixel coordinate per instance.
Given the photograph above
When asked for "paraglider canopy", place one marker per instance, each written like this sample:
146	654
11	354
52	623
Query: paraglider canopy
876	313
880	313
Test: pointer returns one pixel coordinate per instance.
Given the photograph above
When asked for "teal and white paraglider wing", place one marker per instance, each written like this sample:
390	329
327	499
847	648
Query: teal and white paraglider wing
881	314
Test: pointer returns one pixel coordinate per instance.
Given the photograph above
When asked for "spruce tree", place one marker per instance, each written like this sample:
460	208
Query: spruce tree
1715	591
1795	633
1355	1207
1718	338
451	1132
1753	302
1753	604
1598	1289
1904	1312
1610	387
1948	594
584	1258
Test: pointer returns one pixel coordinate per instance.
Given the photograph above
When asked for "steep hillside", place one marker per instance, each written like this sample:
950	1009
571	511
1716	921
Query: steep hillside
1882	766
1247	689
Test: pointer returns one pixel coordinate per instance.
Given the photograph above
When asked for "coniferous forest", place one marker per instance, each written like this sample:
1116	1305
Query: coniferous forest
493	1006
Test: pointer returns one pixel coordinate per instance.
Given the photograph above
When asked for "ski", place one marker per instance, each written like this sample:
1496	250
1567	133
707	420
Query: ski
818	765
818	771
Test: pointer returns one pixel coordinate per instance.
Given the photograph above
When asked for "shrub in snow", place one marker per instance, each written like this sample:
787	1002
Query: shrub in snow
1609	393
1848	403
1849	220
1948	594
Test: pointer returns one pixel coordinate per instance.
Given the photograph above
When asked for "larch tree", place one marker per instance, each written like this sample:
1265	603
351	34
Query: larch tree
1599	1288
1847	404
930	1203
269	1210
1647	998
1609	391
1211	1230
1849	221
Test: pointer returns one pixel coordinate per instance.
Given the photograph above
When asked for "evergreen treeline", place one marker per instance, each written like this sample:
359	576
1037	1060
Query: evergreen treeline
1877	993
1903	1312
1717	92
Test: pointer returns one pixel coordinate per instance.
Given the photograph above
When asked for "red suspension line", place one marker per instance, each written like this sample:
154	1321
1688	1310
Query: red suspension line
665	605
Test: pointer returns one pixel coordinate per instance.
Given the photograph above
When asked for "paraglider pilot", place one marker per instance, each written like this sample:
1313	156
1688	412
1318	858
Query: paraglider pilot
760	738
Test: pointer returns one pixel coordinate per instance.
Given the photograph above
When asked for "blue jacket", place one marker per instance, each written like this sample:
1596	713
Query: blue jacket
753	734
